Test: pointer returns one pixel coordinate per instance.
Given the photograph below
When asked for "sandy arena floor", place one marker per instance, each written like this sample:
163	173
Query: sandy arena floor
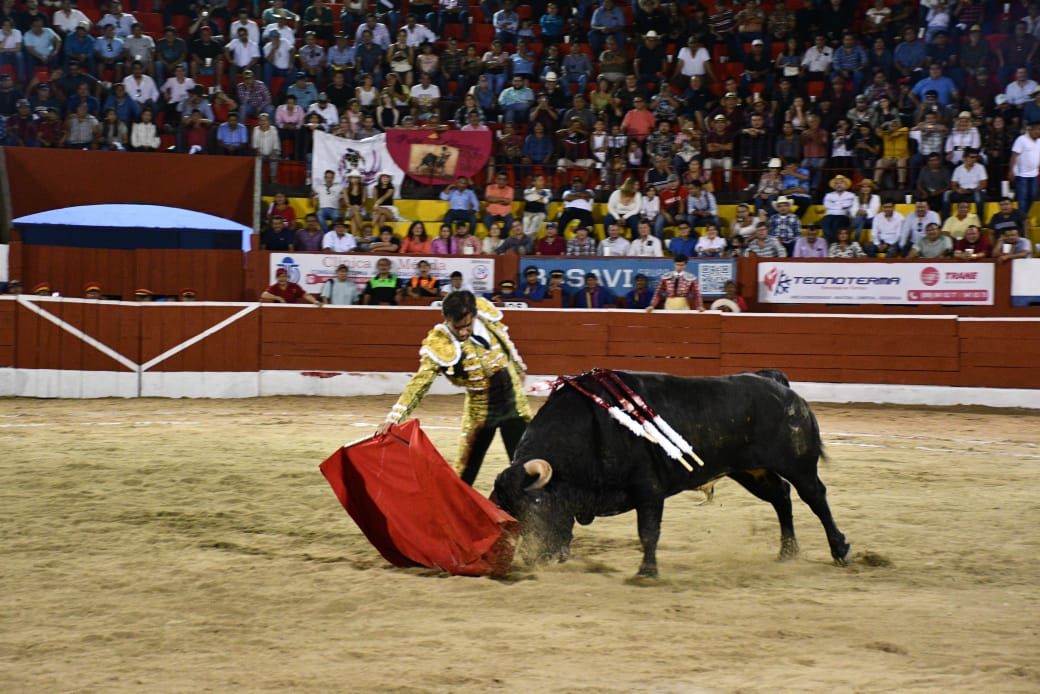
193	546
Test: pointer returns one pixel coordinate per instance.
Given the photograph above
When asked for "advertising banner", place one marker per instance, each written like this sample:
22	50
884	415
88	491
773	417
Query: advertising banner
618	274
311	270
438	157
1025	281
875	283
368	157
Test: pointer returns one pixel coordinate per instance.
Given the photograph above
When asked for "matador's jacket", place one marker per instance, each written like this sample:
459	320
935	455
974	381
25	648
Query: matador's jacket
469	364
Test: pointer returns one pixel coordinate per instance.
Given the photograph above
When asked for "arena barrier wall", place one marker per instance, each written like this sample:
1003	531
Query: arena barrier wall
48	179
55	347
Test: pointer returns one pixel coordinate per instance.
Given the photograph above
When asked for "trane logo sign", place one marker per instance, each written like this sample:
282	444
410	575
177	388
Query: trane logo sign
844	281
961	276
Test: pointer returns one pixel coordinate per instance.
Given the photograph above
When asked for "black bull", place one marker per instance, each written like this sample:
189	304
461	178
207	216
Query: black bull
751	428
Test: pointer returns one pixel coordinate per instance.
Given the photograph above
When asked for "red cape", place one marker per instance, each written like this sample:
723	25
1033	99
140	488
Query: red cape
415	510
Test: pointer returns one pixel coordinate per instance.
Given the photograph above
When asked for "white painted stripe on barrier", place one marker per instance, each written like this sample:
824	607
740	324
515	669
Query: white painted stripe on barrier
73	330
198	338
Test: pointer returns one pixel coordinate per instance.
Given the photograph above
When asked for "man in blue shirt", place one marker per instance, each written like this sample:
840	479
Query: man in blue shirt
79	47
304	91
462	203
516	101
944	88
607	20
910	56
683	243
42	46
506	22
850	61
233	137
109	50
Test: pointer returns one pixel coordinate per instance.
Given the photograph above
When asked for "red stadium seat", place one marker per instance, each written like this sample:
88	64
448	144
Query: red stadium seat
151	24
292	173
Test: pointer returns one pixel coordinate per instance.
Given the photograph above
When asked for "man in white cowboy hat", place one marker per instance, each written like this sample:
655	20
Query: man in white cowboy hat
837	207
649	62
785	225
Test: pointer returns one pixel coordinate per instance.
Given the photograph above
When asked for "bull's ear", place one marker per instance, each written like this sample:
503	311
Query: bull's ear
540	469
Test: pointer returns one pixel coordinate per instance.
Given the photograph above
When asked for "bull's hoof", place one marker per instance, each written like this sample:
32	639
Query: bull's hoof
647	571
788	548
841	557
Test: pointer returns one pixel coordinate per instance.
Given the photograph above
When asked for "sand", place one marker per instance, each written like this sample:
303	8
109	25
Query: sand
193	546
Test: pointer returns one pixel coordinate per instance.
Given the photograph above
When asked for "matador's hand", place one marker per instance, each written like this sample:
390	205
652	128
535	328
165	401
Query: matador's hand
383	428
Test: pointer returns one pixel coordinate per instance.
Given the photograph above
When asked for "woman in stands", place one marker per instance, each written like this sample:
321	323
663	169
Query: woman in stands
401	58
283	209
695	172
366	93
402	97
113	131
444	244
866	207
144	135
417	242
356	194
743	225
624	207
845	247
469	105
387	115
383	210
599	98
493	240
789	63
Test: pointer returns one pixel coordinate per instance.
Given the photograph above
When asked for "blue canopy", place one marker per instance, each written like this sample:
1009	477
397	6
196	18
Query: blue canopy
130	226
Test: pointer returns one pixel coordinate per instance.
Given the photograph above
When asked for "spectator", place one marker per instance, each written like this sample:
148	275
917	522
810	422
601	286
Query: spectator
278	236
672	208
285	292
170	51
233	137
1007	218
42	47
1009	246
814	150
82	130
384	289
645	244
78	47
910	56
109	53
582	243
493	240
895	150
68	19
719	146
383	241
957	224
462	202
114	134
496	66
355	194
614	244
763	245
944	87
339	240
552	243
465	242
785	226
592	295
639	122
516	101
711	245
794	182
640	296
444	244
516	242
194	134
536	204
969	182
974	245
423	285
498	201
845	247
383	209
932	245
607	20
812	246
934	182
768	188
208	54
144	135
678	289
817	59
309	238
650	209
965	136
684	242
916	223
865	207
887	232
624	207
1023	167
416	242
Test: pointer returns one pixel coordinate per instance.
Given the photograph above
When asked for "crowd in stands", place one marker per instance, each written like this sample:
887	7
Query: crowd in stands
656	108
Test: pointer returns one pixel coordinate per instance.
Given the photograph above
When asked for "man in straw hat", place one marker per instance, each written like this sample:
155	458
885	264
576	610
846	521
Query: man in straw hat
837	207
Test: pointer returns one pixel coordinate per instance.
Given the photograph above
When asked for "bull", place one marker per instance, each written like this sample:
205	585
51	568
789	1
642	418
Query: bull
575	462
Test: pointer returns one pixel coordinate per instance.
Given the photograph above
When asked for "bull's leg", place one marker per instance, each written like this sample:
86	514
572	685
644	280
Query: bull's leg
814	493
769	486
648	518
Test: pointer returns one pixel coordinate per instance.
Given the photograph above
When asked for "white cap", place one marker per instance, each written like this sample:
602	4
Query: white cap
551	77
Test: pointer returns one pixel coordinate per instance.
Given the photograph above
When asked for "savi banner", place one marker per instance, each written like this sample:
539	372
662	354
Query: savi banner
618	274
311	270
368	157
875	283
433	158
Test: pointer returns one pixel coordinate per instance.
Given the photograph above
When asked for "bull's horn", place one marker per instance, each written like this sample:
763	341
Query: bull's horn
542	469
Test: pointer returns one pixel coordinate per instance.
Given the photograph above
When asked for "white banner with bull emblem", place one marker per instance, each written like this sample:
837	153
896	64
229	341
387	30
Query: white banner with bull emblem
368	156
